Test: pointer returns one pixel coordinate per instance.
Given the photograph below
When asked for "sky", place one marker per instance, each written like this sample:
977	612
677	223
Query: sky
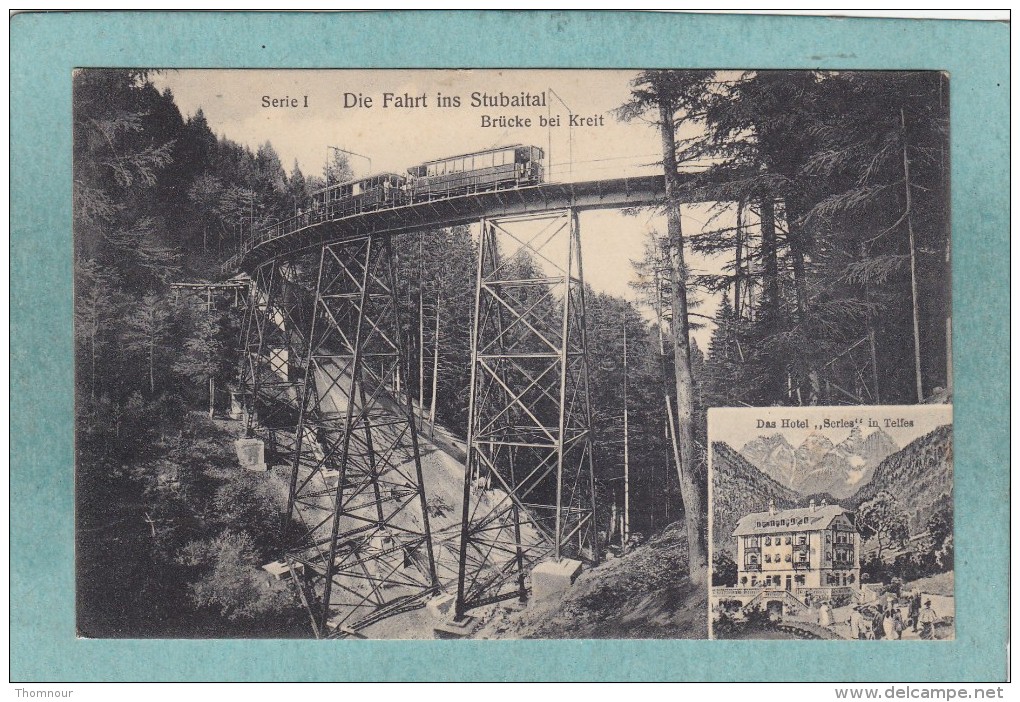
387	136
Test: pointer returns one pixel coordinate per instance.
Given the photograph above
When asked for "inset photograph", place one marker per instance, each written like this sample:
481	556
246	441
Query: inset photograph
831	522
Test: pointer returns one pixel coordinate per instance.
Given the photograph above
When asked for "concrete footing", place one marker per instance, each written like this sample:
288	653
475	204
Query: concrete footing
551	577
452	629
251	453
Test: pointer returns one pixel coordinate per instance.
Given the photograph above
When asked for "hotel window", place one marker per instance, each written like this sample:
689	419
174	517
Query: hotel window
789	540
768	540
768	558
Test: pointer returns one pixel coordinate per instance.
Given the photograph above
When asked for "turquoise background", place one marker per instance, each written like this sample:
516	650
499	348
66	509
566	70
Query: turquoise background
45	48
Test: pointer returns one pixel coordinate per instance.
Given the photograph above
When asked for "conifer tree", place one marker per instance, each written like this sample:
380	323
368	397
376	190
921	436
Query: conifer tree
673	96
147	332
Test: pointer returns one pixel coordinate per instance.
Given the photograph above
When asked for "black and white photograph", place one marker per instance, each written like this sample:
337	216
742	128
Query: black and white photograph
832	523
447	354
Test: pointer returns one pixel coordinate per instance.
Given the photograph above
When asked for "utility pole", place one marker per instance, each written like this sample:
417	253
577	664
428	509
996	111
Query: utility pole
421	335
435	369
570	134
349	153
626	447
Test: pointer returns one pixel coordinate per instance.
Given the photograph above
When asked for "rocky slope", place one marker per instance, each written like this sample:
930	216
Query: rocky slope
645	594
917	476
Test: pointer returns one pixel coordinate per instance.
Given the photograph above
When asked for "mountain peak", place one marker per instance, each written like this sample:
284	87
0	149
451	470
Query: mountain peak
767	440
816	440
819	465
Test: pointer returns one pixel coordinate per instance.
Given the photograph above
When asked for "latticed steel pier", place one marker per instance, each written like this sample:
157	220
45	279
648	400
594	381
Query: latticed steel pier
529	490
324	379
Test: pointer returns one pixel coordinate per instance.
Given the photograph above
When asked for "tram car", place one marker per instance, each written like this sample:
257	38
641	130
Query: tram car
375	192
493	169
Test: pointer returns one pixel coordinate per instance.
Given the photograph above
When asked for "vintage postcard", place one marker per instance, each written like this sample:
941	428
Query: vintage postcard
339	333
832	522
428	353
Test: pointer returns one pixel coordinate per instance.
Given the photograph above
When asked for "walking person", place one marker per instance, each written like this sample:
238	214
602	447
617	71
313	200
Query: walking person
824	615
888	625
856	623
898	623
867	628
876	625
915	609
927	618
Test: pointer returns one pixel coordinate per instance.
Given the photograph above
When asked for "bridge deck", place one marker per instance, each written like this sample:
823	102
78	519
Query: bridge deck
304	231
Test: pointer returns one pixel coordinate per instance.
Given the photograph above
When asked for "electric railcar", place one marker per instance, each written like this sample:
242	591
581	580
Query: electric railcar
372	193
492	169
480	171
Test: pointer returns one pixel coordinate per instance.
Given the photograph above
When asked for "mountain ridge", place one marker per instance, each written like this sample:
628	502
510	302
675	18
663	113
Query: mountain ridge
818	465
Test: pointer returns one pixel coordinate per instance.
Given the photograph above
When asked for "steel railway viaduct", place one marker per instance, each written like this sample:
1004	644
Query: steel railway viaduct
324	385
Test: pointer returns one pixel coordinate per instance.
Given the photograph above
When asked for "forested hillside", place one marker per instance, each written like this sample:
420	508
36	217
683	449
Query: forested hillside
738	490
919	477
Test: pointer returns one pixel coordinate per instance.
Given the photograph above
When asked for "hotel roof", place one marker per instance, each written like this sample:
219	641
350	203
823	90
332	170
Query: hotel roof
789	520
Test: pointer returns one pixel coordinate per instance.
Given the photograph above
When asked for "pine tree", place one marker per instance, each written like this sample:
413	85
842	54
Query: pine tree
337	169
147	332
117	161
667	94
95	310
207	353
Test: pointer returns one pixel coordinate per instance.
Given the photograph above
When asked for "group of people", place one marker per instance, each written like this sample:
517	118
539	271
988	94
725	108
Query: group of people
887	621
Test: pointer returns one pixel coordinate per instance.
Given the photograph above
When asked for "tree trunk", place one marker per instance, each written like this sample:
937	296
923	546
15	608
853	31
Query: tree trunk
738	265
913	261
669	423
800	287
212	396
93	354
795	240
152	374
690	491
775	388
770	262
